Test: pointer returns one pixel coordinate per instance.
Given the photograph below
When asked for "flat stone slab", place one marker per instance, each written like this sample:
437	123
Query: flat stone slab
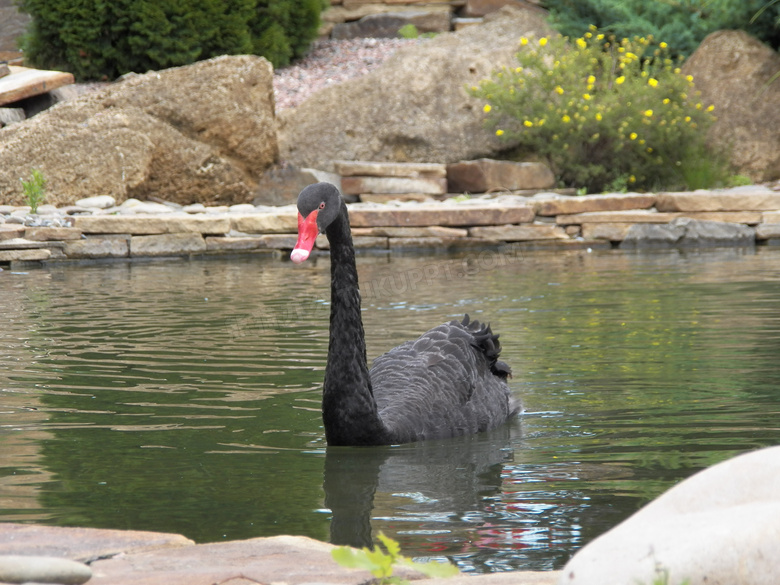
391	185
108	246
279	559
11	231
20	244
266	223
385	169
753	198
167	245
48	234
768	231
590	203
651	216
148	224
614	232
387	197
519	233
412	232
24	255
471	215
487	175
81	544
24	82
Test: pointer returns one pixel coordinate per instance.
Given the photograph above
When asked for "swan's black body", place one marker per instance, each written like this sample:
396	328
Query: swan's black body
448	382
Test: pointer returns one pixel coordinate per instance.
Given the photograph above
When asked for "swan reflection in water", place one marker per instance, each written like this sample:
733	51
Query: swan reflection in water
446	479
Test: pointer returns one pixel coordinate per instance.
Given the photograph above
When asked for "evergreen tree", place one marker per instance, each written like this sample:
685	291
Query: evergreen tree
102	39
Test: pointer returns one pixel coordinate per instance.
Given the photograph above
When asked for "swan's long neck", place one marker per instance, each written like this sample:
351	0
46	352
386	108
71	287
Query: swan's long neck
349	410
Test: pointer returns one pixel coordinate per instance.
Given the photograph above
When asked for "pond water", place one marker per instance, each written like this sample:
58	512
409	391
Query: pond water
184	396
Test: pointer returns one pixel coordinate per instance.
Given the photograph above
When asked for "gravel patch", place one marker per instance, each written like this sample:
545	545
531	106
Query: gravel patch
330	62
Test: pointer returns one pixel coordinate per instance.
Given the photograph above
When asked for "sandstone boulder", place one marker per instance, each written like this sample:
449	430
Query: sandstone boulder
414	107
733	72
719	526
200	133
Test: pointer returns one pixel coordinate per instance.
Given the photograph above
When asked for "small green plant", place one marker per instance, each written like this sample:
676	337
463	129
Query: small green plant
381	564
604	113
409	31
33	190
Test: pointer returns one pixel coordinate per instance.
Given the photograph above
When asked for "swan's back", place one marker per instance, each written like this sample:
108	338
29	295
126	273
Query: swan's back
448	382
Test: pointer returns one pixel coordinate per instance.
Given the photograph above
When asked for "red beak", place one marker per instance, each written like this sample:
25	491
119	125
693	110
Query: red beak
307	235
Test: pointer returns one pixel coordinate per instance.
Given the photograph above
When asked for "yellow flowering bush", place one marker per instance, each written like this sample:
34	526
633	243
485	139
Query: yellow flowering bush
605	114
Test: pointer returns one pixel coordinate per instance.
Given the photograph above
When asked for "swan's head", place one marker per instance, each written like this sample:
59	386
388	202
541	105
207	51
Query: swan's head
318	206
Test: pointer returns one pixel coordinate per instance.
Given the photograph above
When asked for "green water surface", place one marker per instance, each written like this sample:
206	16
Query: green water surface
184	396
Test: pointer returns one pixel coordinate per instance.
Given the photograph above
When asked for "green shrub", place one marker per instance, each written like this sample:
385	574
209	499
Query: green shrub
102	40
682	23
604	114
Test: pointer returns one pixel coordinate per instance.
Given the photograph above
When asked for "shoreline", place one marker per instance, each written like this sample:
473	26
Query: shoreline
134	230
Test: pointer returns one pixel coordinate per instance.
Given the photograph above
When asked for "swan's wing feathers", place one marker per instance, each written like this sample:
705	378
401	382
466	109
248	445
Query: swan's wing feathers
446	382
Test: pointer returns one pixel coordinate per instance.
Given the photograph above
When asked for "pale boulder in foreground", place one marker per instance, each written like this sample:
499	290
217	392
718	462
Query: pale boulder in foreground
719	527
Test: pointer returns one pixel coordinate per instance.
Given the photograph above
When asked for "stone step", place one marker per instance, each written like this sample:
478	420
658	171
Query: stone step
385	169
651	216
386	185
487	175
589	203
441	216
752	198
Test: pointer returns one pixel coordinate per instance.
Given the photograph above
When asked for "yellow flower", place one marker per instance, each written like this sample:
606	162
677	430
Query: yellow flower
586	96
540	122
591	79
698	106
523	41
633	136
687	118
499	132
518	69
648	113
566	119
559	90
542	41
689	78
710	108
621	50
620	79
630	56
487	108
580	43
663	45
666	101
600	37
598	117
677	70
632	179
528	123
649	149
652	82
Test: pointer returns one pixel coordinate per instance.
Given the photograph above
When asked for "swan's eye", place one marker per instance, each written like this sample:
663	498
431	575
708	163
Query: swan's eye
322	205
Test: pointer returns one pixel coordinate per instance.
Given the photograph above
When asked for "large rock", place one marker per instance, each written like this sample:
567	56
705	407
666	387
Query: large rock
200	133
733	72
718	527
684	231
415	106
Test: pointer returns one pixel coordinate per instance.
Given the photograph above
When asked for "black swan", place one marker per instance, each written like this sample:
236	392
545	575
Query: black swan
446	383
